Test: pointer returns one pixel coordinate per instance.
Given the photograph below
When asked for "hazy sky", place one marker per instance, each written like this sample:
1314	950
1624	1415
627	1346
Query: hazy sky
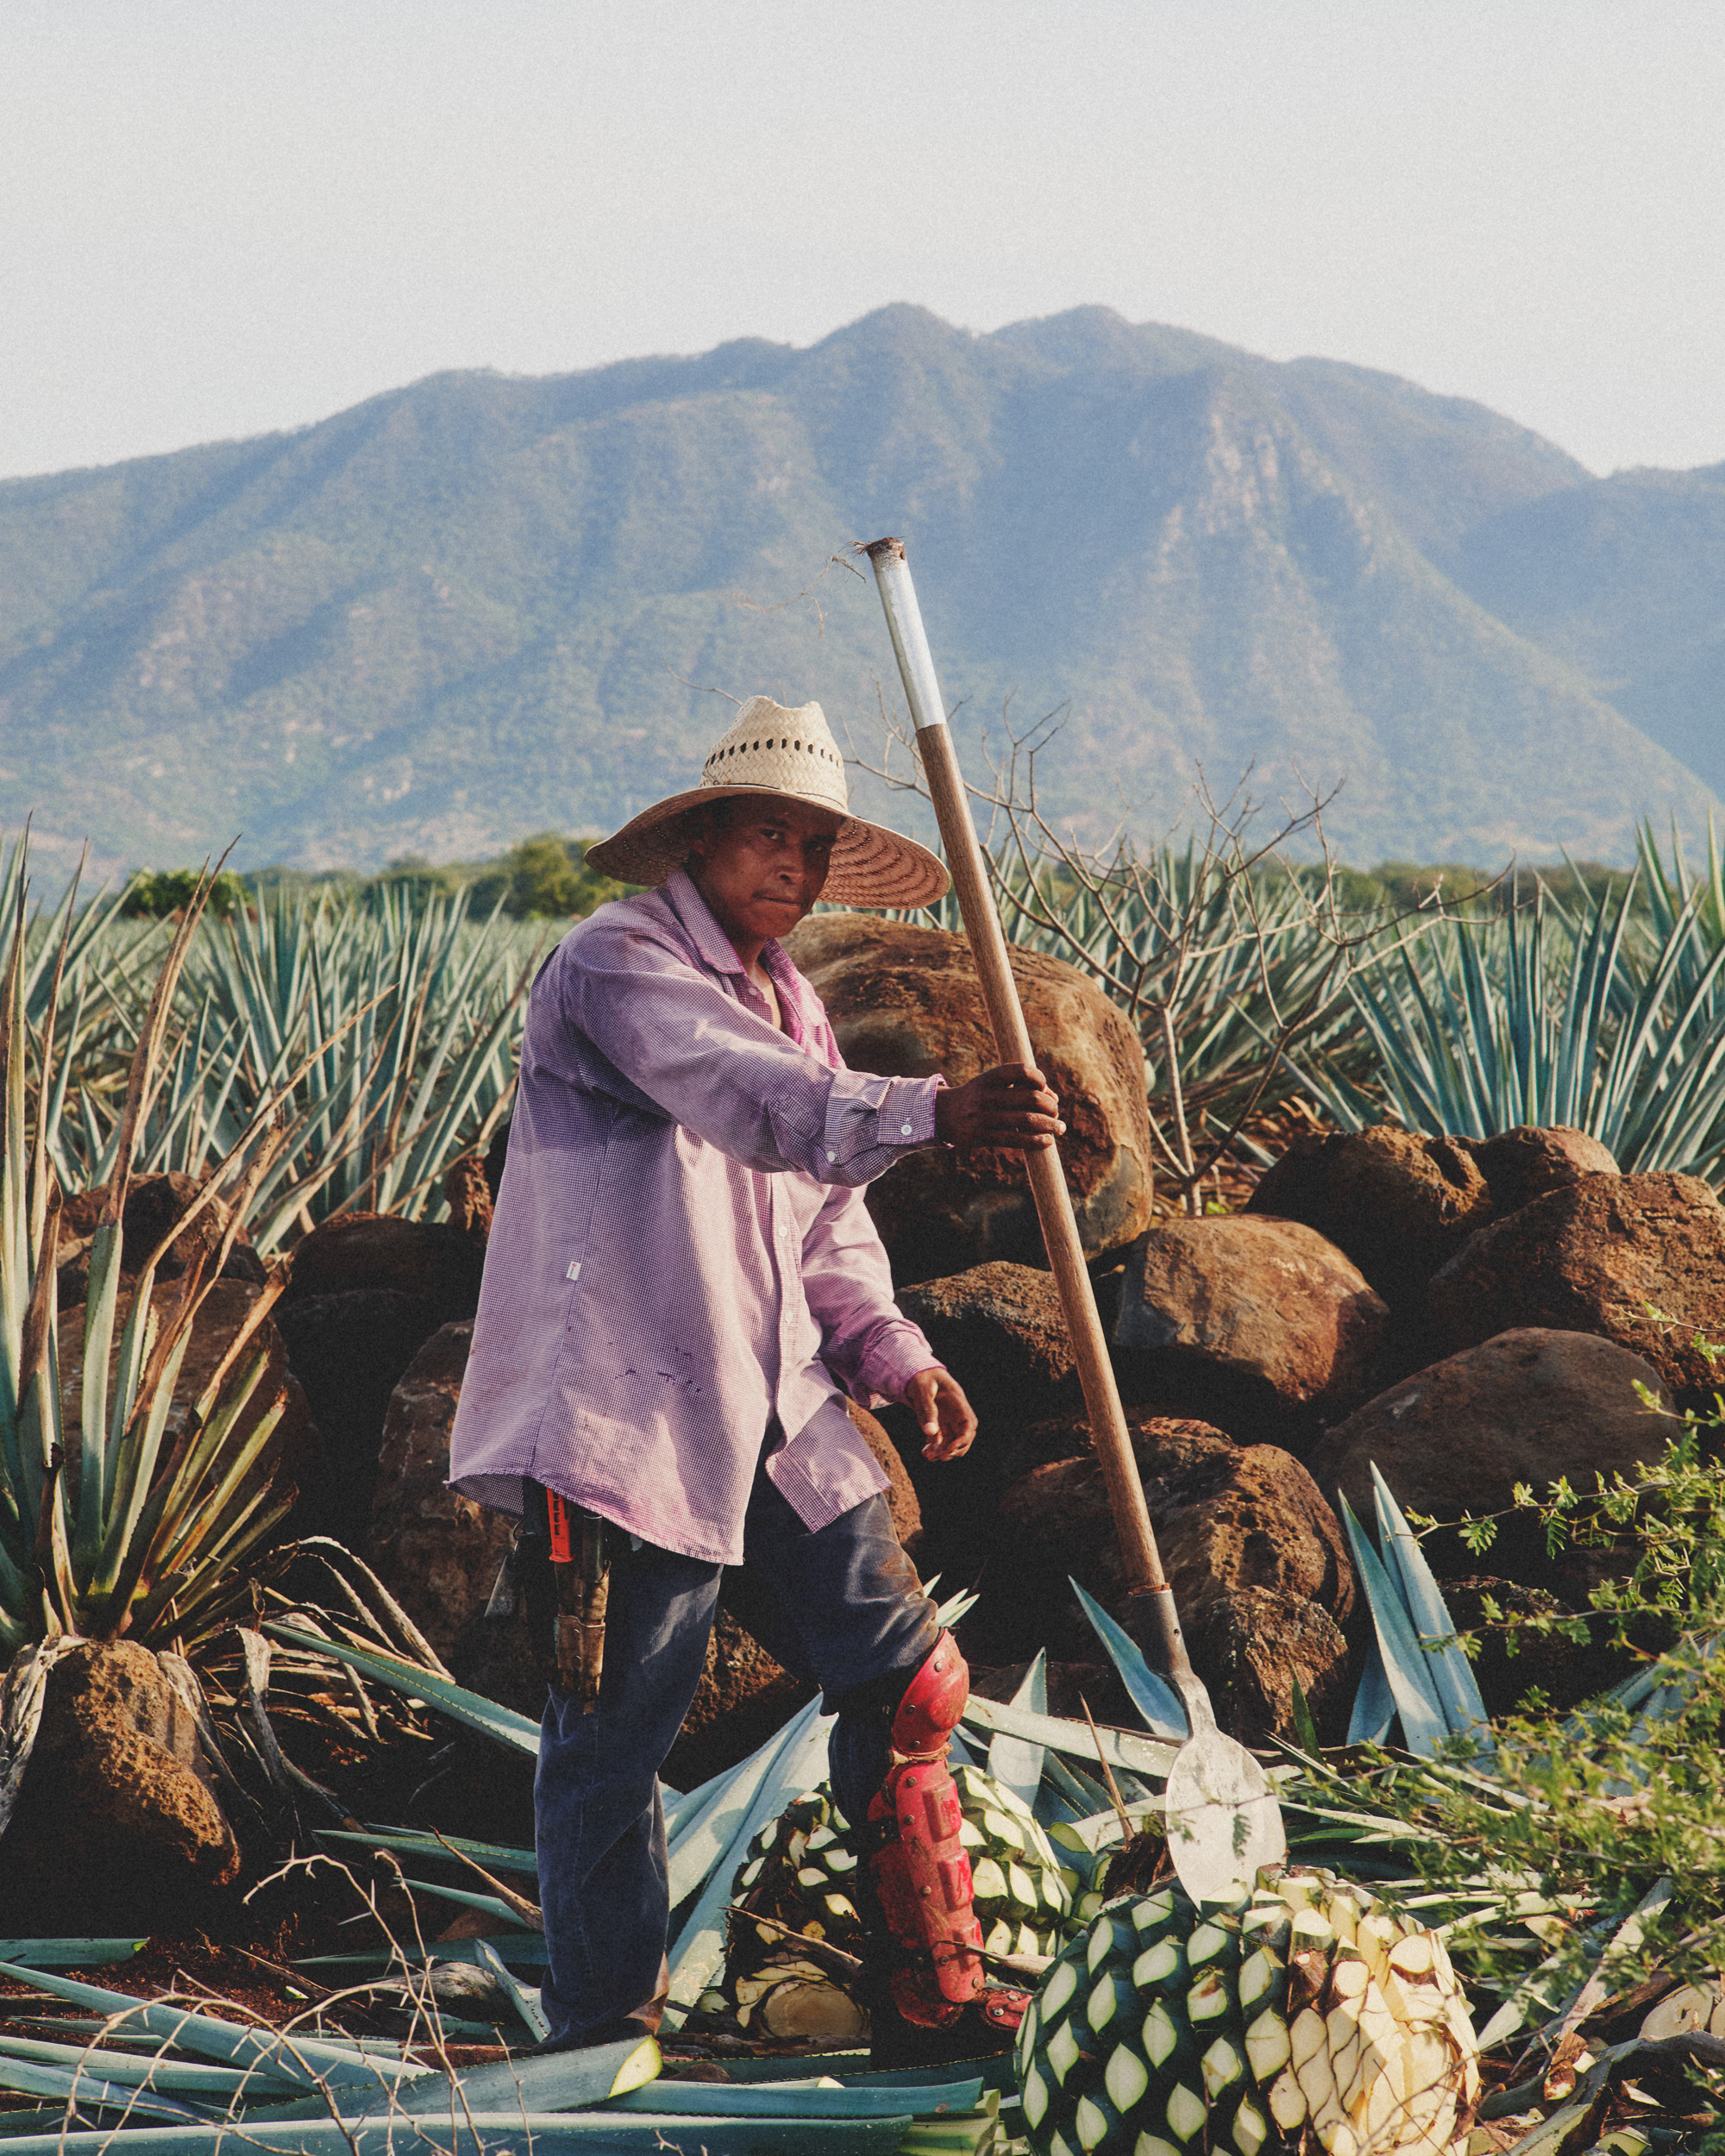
218	216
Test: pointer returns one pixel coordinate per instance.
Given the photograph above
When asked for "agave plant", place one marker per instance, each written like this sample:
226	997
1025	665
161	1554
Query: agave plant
1555	1015
387	1029
104	1527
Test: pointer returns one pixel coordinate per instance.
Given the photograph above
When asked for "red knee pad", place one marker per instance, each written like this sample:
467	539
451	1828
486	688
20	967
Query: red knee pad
933	1700
921	1872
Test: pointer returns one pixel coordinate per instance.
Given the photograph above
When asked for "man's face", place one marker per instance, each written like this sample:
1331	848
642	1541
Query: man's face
763	868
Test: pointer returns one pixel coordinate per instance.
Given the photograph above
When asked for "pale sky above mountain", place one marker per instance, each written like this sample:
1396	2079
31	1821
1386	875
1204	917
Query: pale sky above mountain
220	216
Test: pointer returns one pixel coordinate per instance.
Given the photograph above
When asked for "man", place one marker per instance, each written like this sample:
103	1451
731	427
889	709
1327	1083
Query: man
681	1276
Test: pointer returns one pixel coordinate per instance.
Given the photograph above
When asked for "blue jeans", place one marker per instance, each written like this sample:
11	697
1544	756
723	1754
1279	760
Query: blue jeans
855	1617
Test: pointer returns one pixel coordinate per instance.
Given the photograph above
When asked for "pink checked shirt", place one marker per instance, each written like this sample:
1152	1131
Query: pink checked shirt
680	1252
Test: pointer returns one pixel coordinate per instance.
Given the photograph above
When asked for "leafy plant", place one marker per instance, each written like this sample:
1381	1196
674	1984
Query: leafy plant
154	895
545	878
1616	1814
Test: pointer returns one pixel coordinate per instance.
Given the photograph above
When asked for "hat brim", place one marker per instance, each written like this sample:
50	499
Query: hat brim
871	865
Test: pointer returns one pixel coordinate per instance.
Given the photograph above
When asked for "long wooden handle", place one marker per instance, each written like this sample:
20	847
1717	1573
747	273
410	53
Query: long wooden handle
1144	1575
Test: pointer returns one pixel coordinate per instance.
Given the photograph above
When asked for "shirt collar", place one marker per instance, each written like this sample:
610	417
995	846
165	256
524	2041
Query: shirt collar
717	949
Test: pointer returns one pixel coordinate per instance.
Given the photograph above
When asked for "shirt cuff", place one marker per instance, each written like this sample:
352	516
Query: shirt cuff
905	1116
894	1356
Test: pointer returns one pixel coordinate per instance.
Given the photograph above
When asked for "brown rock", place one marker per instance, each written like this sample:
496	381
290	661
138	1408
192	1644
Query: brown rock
438	1552
1227	1519
999	1329
117	1825
1637	1259
1527	1407
1524	1164
153	1205
1253	1646
1398	1205
905	1003
901	1497
371	1251
224	1311
1564	1671
349	1352
1259	1325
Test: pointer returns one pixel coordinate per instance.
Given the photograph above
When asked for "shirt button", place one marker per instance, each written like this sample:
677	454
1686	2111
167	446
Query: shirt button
831	1153
905	1130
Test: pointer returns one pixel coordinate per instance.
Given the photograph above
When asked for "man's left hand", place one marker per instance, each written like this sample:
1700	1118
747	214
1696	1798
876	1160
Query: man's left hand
948	1420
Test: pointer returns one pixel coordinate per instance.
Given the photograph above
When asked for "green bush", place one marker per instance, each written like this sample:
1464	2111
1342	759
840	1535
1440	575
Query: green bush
155	894
545	878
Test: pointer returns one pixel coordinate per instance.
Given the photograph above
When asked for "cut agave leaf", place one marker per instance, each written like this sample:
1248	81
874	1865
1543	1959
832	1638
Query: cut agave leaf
710	1834
526	2002
521	1950
1140	1755
1449	1670
471	2132
1015	1762
309	2062
69	1953
1424	1725
494	1855
700	1946
1154	1698
490	1719
486	1904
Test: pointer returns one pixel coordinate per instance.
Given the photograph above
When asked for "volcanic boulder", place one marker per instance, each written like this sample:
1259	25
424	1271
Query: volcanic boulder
1527	1407
1524	1164
1399	1205
118	1825
154	1207
1256	1560
428	1258
999	1329
901	1493
437	1551
1507	1664
367	1292
905	1003
1259	1325
1636	1259
222	1315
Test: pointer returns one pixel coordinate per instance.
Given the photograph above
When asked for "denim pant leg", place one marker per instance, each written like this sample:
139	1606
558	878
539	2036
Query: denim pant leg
852	1601
598	1826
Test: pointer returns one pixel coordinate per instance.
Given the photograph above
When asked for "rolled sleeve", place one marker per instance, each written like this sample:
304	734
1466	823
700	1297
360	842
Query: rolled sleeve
895	1355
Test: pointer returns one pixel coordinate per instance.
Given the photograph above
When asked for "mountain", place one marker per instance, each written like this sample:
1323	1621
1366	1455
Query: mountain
481	606
1625	578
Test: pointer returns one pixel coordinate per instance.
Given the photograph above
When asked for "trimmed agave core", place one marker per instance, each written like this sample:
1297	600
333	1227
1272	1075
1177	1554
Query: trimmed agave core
1311	2009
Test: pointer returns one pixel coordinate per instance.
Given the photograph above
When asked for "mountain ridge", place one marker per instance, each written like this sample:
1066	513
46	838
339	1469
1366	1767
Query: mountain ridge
474	605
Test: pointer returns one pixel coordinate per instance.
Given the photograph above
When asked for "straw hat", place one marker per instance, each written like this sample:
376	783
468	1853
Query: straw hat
772	749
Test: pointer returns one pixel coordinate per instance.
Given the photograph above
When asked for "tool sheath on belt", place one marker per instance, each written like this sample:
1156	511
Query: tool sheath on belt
580	1573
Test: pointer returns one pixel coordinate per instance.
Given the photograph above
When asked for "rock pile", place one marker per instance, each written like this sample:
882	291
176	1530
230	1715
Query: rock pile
1467	1315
